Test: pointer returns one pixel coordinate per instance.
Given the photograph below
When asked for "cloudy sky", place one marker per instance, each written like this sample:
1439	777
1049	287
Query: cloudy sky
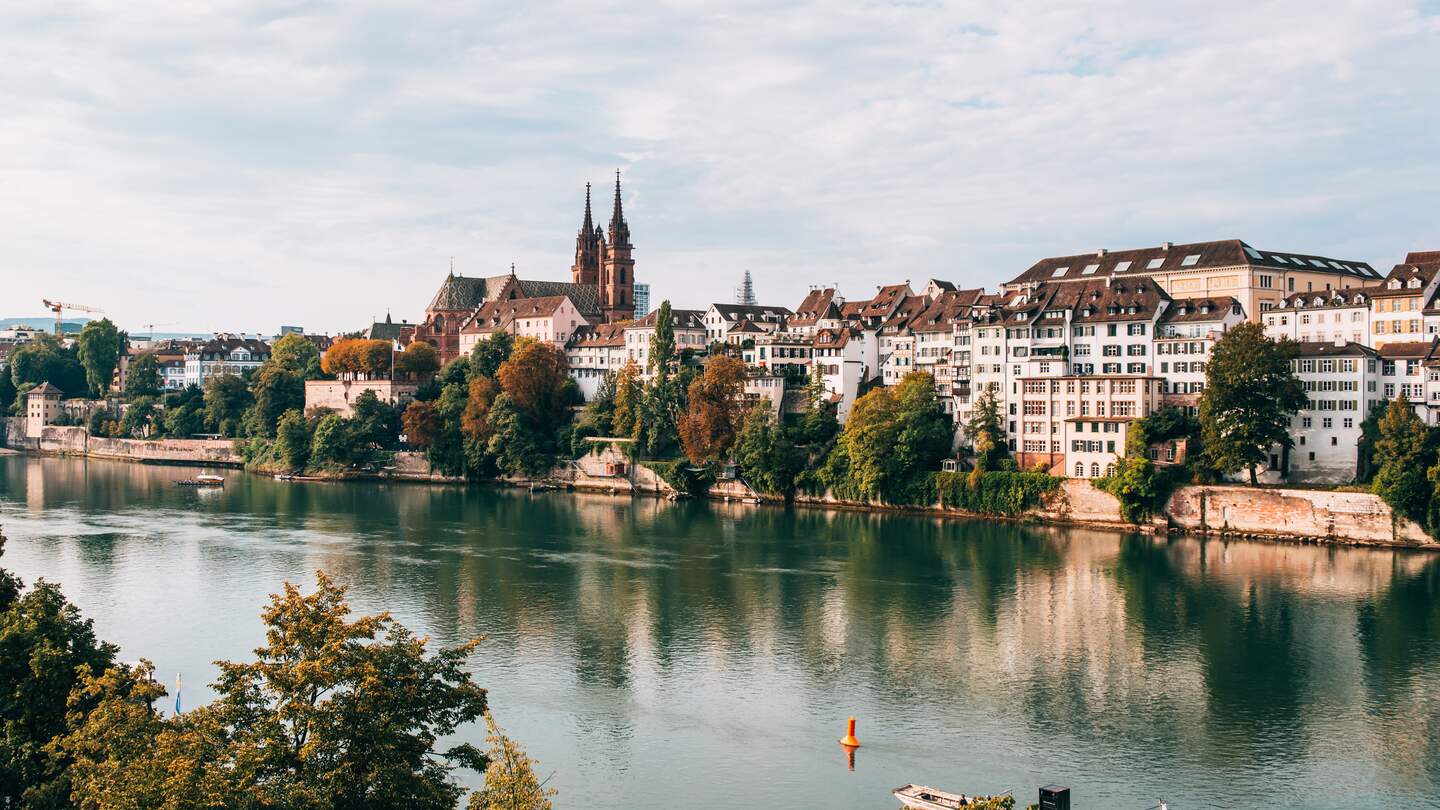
236	166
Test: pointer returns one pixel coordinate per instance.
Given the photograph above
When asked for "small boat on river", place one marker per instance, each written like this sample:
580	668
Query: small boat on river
921	797
202	481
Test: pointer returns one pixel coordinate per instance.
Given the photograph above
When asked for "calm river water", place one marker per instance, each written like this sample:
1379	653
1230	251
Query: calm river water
703	655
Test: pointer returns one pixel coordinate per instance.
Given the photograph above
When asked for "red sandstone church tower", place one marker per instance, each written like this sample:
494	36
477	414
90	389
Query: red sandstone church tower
617	268
589	244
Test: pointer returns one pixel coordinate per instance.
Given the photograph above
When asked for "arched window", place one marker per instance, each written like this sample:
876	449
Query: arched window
1079	469
1109	470
439	323
1095	469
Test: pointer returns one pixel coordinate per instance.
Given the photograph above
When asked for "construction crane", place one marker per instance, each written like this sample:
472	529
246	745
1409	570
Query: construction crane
150	328
58	307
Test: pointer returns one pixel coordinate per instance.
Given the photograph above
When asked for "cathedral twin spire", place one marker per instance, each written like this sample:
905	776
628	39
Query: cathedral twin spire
593	246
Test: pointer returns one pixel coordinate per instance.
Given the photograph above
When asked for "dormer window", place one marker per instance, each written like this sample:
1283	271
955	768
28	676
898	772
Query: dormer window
1204	309
1394	284
1413	283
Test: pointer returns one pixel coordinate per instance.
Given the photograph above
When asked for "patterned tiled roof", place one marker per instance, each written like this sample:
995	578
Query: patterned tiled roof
458	293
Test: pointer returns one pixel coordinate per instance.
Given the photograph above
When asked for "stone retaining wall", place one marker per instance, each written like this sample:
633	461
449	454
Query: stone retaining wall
76	441
1340	517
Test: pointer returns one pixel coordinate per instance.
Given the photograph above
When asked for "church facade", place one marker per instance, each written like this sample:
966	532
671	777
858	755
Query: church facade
601	286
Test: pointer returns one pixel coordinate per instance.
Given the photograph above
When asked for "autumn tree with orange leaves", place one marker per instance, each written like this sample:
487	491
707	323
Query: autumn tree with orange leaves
535	377
356	356
716	410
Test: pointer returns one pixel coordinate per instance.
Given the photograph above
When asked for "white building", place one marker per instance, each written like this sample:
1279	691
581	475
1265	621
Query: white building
225	354
552	319
1339	378
1184	340
721	319
1321	317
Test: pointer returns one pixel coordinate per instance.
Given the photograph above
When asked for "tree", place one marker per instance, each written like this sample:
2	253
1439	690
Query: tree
986	432
662	343
297	355
1133	482
535	377
43	359
332	443
356	357
768	458
715	410
1402	460
44	642
99	346
135	424
142	377
475	422
373	421
600	412
333	712
516	446
510	779
274	389
293	437
1250	393
419	359
226	399
489	354
184	412
892	440
7	392
422	422
628	395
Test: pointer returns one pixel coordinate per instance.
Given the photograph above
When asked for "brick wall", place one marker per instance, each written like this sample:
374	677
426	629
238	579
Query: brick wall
1356	517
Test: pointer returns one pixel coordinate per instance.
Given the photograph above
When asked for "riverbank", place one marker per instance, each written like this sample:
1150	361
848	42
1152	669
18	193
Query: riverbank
1291	515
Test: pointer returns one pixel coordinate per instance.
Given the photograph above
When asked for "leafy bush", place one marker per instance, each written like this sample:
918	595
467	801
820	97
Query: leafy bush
996	492
684	477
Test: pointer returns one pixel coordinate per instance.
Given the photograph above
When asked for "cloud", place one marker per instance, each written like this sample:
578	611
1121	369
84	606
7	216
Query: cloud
240	165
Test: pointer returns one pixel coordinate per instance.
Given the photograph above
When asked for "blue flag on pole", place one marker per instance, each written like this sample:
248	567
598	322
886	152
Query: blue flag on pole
177	693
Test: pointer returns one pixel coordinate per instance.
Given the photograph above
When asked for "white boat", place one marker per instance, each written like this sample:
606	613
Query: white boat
203	481
921	797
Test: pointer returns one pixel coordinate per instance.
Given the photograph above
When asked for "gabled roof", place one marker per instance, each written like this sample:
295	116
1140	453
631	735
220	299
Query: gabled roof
1406	275
909	307
1407	350
679	319
817	304
1423	257
1352	297
1138	299
1200	310
458	293
1184	258
585	297
494	315
950	306
1311	348
226	345
45	388
605	335
754	312
886	300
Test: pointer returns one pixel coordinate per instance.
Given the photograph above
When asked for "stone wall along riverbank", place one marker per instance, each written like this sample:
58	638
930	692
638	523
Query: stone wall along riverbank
76	441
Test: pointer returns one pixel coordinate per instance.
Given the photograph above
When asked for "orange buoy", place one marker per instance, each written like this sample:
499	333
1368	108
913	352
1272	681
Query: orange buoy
849	740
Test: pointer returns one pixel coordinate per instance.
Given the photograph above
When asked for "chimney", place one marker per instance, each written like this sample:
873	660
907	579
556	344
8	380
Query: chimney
1166	245
1100	254
1339	340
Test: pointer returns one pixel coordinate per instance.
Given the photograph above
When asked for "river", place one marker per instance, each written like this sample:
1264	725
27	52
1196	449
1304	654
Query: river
706	655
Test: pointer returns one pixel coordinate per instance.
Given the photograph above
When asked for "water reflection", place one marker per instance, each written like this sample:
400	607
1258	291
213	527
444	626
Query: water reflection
640	645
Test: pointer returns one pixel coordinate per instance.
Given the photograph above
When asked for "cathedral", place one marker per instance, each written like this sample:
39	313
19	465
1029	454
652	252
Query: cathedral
601	286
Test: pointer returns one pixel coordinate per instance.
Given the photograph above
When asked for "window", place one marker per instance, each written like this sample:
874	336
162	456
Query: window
1191	260
1090	269
1154	263
1135	329
1059	272
1122	267
1079	469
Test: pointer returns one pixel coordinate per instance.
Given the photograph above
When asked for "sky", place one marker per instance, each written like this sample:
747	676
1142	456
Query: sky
238	166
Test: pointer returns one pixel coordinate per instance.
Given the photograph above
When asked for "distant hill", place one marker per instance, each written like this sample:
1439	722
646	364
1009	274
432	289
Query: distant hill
46	322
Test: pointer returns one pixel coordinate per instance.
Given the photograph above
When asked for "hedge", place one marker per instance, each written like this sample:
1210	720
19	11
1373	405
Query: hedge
996	492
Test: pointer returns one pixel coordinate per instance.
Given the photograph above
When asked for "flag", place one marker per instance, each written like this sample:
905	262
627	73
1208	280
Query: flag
177	693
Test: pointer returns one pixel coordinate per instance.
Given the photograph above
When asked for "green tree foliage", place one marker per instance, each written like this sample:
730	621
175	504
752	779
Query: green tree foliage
293	437
994	492
1251	391
43	359
98	348
489	354
535	377
374	421
184	412
7	392
1401	460
274	389
136	423
1134	482
768	458
296	355
662	343
894	438
986	432
475	424
510	779
43	644
333	712
516	446
332	445
600	411
226	400
629	395
142	377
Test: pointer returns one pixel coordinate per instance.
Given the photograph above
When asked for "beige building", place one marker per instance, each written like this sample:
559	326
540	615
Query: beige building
339	395
42	405
552	318
1076	425
1258	279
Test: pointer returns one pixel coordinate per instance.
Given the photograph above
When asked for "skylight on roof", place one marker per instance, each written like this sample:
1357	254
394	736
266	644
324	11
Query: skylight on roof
1154	263
1318	263
1277	257
1090	269
1191	260
1122	267
1337	265
1060	271
1254	254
